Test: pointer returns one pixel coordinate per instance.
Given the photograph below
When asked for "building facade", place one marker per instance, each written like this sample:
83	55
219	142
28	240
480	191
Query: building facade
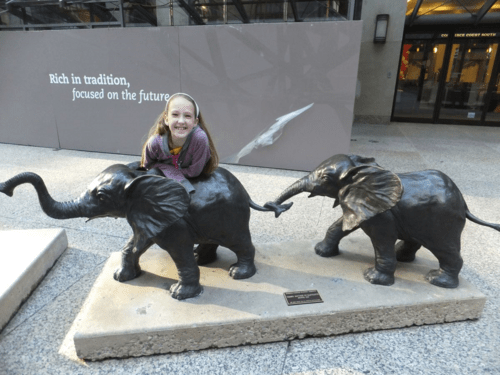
436	62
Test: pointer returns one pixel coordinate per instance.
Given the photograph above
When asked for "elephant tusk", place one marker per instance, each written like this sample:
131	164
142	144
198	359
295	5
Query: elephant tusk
94	217
99	216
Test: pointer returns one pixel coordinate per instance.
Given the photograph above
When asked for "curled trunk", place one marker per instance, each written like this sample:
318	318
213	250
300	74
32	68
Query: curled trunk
297	187
54	209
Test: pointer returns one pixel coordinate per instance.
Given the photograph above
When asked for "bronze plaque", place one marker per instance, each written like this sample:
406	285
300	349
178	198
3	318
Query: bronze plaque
303	297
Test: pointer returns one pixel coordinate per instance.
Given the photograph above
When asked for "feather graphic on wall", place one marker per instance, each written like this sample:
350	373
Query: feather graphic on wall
266	137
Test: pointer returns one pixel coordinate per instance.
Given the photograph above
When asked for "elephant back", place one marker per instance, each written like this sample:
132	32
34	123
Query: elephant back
217	190
432	207
429	188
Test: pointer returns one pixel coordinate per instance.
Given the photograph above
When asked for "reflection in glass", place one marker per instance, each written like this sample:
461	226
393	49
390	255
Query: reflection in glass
141	14
108	13
320	10
418	80
264	10
438	7
493	110
467	78
210	11
70	16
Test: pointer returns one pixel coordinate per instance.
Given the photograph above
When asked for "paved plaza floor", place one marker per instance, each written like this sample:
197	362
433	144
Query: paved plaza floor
39	338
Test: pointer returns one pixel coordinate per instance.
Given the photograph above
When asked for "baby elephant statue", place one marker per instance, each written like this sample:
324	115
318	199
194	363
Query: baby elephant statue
160	211
422	208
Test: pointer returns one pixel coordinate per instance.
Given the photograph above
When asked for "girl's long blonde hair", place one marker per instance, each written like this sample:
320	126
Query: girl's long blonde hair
159	128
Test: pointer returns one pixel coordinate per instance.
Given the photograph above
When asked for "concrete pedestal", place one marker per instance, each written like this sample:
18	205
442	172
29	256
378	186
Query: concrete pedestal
27	255
140	318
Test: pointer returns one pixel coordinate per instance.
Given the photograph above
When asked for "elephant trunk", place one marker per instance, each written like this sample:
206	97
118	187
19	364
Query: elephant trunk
54	209
297	187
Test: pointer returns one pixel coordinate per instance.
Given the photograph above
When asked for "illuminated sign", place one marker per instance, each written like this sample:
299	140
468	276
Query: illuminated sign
471	35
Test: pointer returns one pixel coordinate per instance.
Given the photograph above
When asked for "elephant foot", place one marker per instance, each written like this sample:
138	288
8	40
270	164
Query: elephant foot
205	254
181	291
126	273
442	279
242	271
325	250
376	277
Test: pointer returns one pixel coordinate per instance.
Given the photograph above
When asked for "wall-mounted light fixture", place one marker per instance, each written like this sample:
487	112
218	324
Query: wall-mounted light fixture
381	25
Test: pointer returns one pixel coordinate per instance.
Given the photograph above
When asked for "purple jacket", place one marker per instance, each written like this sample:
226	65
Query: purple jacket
191	160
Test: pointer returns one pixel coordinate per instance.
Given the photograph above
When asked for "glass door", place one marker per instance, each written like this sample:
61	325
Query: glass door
467	79
418	82
493	104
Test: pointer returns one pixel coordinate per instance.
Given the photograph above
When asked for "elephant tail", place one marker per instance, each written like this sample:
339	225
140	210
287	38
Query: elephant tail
278	209
476	220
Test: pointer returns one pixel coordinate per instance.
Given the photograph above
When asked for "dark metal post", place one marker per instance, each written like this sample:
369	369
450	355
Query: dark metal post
415	12
442	78
484	9
295	11
171	12
491	86
122	15
24	19
241	9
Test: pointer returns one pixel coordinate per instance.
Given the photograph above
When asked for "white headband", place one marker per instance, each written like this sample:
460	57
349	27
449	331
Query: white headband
189	96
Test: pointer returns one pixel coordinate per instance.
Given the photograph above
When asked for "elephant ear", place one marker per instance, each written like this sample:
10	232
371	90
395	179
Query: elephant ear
362	160
369	191
155	203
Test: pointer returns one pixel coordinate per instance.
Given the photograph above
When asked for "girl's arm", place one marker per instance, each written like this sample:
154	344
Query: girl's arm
153	149
200	150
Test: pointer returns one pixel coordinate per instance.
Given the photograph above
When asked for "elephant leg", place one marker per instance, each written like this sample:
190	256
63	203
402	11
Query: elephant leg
205	253
406	250
450	264
188	285
383	235
329	247
131	253
245	266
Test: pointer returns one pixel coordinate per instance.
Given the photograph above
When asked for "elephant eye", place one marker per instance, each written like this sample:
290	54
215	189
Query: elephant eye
100	196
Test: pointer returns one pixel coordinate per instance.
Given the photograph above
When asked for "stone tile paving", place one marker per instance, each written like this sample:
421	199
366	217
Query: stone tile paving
38	340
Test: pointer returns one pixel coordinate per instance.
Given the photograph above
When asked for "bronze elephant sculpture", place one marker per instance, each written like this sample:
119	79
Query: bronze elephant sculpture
422	208
161	211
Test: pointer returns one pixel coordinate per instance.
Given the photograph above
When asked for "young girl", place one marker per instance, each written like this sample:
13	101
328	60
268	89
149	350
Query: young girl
179	143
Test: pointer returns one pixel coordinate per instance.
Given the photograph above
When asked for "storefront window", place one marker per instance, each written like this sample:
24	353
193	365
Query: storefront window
450	66
467	78
449	79
418	83
493	109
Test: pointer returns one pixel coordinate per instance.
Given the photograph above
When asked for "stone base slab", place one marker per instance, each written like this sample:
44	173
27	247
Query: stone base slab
27	255
139	317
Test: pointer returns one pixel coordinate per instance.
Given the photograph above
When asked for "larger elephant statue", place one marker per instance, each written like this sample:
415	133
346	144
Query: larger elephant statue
161	211
422	208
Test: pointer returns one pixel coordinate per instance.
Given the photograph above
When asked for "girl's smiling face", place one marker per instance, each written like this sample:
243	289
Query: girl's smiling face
180	119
